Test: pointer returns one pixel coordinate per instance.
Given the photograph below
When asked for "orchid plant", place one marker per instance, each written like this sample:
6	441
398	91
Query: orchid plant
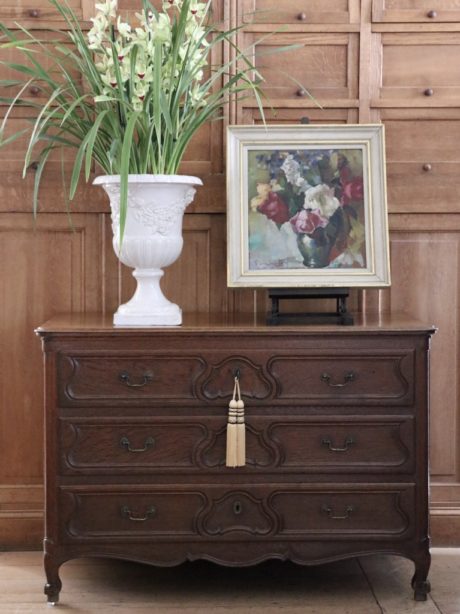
146	88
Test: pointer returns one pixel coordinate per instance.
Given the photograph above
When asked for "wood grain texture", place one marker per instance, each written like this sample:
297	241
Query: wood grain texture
295	12
422	11
366	61
45	269
189	505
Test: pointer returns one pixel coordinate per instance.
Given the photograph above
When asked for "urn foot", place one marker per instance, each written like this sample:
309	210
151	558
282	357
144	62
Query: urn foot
148	307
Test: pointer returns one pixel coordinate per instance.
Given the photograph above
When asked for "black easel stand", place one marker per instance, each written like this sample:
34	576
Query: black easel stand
340	316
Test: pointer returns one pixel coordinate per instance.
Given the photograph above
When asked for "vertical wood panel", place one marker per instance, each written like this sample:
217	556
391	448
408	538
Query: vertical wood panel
416	258
46	269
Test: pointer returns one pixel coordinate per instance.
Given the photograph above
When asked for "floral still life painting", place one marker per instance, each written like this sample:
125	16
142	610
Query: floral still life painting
312	208
306	210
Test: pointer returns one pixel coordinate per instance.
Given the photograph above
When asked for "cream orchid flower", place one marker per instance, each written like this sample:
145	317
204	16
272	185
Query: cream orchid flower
109	8
124	29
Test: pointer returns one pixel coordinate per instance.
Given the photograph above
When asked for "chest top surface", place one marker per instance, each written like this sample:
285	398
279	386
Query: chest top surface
202	324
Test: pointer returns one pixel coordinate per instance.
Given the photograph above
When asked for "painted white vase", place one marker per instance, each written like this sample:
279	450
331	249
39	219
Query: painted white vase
152	240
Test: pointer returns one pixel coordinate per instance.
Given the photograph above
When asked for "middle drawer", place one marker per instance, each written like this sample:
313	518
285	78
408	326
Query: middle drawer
274	444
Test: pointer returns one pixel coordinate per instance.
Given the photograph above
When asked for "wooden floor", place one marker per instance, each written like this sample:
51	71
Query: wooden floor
376	584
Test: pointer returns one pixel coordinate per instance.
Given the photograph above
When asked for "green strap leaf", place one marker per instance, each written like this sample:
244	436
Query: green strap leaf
92	139
124	170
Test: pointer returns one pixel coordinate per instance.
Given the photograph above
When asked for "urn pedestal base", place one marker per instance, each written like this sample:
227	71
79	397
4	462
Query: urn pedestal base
148	306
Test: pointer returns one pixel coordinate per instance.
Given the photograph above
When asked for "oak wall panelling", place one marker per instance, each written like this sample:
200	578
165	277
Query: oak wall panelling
295	12
423	11
419	106
46	268
365	61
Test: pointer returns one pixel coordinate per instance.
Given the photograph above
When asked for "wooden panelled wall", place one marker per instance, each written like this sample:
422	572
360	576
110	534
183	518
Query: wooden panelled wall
394	61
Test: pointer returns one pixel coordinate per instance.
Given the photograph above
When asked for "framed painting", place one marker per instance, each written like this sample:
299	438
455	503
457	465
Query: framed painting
307	206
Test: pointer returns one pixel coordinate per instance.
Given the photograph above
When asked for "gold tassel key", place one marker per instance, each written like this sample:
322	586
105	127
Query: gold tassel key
236	433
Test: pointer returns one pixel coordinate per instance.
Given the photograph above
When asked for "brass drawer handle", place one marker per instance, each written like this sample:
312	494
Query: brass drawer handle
427	167
432	14
126	379
125	443
33	13
126	513
302	16
429	91
34	90
349	377
330	512
349	441
301	92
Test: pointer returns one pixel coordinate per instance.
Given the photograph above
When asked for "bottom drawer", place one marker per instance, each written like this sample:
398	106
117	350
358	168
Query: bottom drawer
127	513
275	511
376	511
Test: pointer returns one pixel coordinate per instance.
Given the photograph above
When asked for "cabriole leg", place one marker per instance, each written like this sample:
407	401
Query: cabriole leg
53	582
420	583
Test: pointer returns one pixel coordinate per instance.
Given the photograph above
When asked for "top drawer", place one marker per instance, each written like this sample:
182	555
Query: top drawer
424	11
299	11
92	378
268	377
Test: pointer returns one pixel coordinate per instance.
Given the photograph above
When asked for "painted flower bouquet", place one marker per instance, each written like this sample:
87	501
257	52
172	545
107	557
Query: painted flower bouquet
313	202
142	90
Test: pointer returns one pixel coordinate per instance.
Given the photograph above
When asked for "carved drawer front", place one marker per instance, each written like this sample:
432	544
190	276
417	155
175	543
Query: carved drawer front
425	11
89	446
301	12
422	162
127	513
94	378
356	446
345	377
371	511
273	445
238	513
323	64
425	82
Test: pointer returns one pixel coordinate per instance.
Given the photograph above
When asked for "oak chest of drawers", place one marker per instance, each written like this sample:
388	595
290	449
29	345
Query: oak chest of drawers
336	443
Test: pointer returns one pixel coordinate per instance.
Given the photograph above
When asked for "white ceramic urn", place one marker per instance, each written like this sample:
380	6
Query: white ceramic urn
152	240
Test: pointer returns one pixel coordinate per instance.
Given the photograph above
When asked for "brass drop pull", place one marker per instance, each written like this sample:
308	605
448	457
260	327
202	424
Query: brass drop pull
330	512
349	377
432	14
127	513
429	91
349	441
427	168
33	13
237	508
125	443
302	16
126	379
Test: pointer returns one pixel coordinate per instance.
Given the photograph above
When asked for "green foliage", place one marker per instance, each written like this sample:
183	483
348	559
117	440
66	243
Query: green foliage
118	118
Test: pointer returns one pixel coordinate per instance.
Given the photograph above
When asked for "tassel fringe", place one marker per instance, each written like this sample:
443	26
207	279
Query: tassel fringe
236	430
